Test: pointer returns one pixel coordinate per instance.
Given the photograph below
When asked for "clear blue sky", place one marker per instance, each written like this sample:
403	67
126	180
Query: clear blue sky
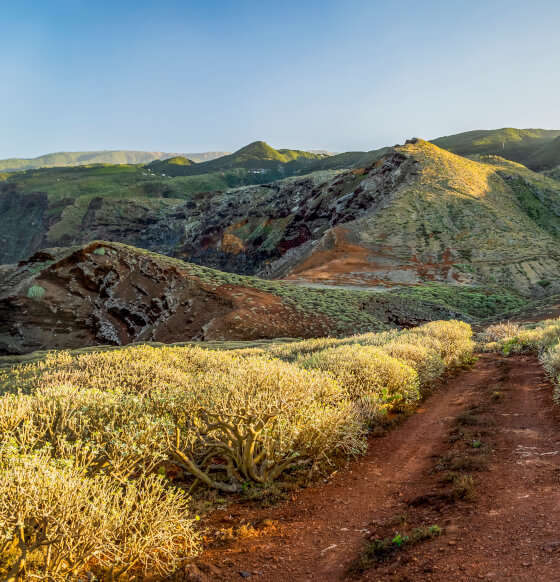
186	76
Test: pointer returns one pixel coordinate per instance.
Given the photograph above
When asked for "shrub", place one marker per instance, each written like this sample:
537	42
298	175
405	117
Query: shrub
499	331
550	361
425	360
55	522
125	409
261	417
111	432
454	337
531	338
35	292
370	376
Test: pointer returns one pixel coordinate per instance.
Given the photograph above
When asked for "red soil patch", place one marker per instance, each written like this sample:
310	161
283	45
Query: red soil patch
335	257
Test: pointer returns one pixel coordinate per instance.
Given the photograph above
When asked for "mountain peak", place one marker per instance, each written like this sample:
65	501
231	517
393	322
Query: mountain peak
258	149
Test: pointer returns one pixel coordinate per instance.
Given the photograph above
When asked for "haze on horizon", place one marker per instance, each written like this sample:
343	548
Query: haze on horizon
186	76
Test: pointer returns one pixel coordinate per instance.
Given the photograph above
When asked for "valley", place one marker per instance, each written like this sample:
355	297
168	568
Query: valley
280	363
425	233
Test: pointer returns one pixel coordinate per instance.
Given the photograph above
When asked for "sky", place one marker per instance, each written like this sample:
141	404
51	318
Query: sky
192	76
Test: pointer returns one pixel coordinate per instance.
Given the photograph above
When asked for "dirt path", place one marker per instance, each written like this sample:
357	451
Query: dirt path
320	532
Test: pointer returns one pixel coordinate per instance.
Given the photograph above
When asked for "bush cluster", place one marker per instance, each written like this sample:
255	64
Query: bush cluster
541	338
85	440
511	338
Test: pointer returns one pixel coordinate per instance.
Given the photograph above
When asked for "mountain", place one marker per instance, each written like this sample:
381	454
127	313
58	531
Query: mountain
419	214
435	216
172	166
525	146
257	157
261	159
97	157
108	293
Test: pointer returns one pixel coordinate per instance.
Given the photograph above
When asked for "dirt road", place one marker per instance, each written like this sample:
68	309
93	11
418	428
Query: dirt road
508	532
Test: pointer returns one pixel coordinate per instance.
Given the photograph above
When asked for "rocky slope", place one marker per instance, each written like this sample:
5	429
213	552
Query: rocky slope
416	215
109	293
444	218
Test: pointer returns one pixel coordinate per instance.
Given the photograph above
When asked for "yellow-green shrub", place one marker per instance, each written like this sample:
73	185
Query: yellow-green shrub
369	375
121	411
532	337
454	337
55	521
550	360
425	360
261	416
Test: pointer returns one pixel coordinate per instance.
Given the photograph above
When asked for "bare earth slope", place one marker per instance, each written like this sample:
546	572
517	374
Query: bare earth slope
507	533
109	293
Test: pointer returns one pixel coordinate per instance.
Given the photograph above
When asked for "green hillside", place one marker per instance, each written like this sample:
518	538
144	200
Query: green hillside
123	181
257	157
171	167
546	156
97	157
48	206
258	152
525	146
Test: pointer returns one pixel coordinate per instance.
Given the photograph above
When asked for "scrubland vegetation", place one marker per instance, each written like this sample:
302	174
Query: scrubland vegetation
87	442
542	338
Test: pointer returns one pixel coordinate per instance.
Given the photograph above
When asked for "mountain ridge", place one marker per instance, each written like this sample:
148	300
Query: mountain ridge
257	156
62	159
417	214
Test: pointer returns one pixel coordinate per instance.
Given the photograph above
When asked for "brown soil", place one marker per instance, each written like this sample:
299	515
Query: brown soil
125	295
506	533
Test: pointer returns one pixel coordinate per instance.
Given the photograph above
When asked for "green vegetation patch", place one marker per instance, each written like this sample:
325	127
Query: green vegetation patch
36	292
475	302
542	204
381	549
